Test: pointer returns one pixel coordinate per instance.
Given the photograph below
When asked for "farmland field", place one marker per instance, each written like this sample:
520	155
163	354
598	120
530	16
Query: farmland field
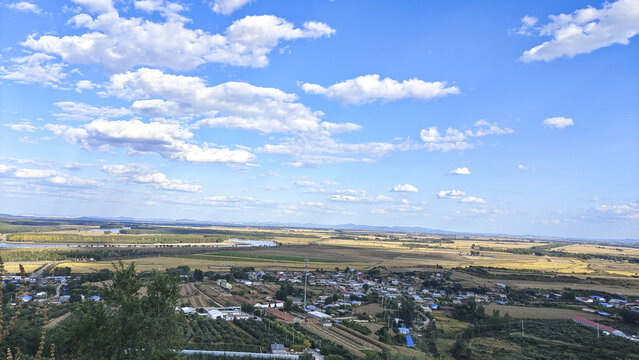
523	312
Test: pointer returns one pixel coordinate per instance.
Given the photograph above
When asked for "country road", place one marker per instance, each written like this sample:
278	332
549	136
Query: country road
39	271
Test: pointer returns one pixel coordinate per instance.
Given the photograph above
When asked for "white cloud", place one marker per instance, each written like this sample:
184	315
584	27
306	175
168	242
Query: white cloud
168	140
226	7
451	194
586	30
405	188
522	167
46	177
455	139
315	204
472	200
123	43
558	122
384	198
485	128
478	211
22	127
369	88
345	198
527	23
167	9
235	202
378	211
85	85
80	111
144	174
460	171
25	6
232	104
305	183
626	211
96	6
350	195
311	150
35	68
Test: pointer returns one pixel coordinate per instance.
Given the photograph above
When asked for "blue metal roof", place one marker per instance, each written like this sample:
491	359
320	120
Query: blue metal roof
409	341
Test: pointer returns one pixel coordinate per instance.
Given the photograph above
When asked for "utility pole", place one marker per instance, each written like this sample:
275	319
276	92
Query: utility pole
305	282
597	331
522	328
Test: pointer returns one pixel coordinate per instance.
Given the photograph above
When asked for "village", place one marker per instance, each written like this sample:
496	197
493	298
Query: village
375	309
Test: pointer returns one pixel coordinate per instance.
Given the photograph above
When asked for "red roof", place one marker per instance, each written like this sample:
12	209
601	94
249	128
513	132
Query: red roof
594	324
280	315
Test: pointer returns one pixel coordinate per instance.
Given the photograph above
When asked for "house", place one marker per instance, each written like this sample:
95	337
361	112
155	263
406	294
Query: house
278	349
214	314
187	310
404	331
223	284
319	315
594	325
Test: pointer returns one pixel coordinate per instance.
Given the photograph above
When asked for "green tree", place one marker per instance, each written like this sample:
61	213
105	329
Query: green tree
198	275
408	311
128	325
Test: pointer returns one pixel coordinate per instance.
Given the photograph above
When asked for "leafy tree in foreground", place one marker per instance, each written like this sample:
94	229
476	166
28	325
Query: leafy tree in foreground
128	325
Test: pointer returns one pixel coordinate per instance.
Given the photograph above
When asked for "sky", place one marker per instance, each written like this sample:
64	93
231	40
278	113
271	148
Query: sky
487	117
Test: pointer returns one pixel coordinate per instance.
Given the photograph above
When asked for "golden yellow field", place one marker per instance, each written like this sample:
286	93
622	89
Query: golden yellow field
363	250
599	249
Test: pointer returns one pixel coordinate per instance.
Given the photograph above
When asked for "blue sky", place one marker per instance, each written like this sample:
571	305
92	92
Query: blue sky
501	117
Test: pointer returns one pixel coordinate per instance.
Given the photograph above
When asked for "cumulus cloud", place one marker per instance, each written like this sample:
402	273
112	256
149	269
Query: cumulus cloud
36	68
70	110
558	122
460	171
120	43
22	127
236	105
96	6
226	7
144	174
25	6
450	194
454	139
626	211
168	140
369	88
585	30
527	23
405	188
46	177
85	85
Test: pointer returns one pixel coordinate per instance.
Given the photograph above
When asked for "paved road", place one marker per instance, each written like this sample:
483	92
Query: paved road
38	273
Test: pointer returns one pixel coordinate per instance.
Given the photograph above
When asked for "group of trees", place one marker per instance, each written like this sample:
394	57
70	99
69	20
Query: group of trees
127	325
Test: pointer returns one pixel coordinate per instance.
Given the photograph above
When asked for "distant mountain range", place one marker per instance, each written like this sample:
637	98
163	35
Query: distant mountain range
341	227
